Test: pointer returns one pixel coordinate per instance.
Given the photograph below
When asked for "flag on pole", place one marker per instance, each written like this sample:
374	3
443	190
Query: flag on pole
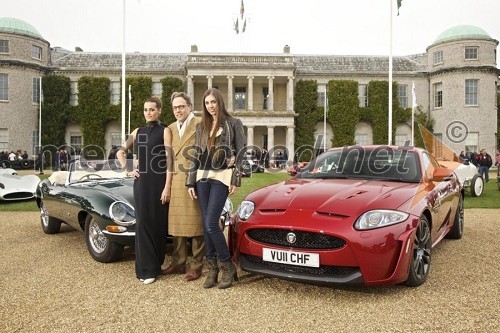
244	26
236	28
242	9
398	1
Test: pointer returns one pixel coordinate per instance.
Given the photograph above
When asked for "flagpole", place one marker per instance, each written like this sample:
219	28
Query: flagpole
413	106
324	124
129	106
123	77
390	76
40	119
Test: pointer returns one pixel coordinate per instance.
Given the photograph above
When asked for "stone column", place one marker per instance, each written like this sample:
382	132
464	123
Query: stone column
289	94
290	141
190	87
270	143
250	93
230	93
209	78
270	99
250	136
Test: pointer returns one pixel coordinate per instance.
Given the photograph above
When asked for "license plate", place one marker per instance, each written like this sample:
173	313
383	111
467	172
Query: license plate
291	257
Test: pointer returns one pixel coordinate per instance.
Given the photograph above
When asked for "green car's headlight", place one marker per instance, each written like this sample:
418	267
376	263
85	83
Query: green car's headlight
379	218
245	210
122	213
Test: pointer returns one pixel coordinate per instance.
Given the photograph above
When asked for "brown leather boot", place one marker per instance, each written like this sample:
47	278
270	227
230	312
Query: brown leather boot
228	274
213	272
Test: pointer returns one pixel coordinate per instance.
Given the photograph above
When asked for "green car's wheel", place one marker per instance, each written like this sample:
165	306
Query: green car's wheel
98	245
49	224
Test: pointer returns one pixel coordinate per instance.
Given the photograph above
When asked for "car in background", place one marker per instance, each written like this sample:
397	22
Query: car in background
18	164
354	215
16	187
468	175
92	197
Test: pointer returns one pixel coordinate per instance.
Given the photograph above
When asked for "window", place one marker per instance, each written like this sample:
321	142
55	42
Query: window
403	95
116	139
75	140
36	90
319	144
36	52
73	97
4	87
401	139
471	86
438	94
265	94
321	98
471	53
438	57
363	95
157	89
239	98
115	93
471	142
4	46
361	139
4	139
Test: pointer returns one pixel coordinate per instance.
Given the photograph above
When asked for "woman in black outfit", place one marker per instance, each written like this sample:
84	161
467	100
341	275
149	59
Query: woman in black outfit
220	142
152	145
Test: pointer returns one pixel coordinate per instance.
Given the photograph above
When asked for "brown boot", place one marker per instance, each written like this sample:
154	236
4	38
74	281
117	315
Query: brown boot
228	274
213	272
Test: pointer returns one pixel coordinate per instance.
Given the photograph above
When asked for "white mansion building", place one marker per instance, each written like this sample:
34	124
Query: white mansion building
456	82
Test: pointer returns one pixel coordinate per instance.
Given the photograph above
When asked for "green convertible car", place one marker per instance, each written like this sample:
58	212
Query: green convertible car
94	198
97	198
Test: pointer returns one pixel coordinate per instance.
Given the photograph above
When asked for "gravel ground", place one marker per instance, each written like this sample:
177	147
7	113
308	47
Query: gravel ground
49	283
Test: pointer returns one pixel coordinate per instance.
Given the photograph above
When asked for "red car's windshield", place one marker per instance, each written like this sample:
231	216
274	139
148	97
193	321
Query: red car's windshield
361	163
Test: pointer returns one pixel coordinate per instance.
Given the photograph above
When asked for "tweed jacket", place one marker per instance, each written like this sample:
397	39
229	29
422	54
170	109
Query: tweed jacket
184	217
231	141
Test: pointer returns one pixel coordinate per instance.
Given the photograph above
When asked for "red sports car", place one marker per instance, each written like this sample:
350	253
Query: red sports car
355	215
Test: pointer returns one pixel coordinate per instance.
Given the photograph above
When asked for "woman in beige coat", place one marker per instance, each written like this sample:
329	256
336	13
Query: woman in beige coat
184	218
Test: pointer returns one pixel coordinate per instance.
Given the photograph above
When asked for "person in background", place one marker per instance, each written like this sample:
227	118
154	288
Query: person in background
463	156
220	144
151	190
184	214
484	163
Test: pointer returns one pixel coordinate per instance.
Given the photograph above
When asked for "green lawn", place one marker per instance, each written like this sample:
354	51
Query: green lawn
489	199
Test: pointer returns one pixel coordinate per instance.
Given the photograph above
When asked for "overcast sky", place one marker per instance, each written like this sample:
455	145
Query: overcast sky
337	27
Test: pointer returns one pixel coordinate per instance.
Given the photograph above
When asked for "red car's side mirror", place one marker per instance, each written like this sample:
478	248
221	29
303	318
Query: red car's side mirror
441	174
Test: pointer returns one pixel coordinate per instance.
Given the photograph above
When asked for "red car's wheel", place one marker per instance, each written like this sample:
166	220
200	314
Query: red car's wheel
421	254
457	230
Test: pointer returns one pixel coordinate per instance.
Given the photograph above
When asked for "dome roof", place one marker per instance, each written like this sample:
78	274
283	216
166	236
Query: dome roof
462	32
12	25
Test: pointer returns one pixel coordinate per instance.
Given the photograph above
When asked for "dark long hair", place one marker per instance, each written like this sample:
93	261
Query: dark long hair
207	119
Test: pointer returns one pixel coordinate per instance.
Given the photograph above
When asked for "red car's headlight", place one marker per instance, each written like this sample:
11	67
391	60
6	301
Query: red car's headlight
245	210
379	218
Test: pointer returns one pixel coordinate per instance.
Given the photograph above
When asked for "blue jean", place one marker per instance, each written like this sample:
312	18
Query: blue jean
212	195
484	172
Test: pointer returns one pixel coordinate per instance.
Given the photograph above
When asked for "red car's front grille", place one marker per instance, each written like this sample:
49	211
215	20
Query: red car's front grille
332	271
302	239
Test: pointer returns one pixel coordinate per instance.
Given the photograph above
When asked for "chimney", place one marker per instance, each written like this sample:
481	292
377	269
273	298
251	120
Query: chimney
286	49
194	48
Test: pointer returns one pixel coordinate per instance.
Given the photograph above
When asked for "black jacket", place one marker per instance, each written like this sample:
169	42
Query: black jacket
231	142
